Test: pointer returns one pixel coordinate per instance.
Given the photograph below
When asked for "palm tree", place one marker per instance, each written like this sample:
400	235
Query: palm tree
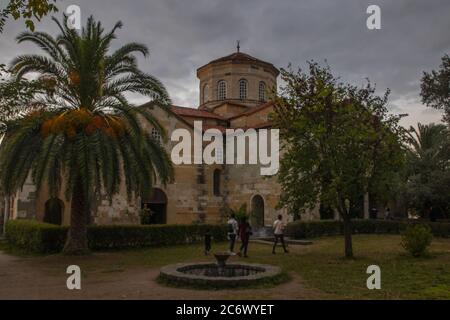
428	170
428	144
82	136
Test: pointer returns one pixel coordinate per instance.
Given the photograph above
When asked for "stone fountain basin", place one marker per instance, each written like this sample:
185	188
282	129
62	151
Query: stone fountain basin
207	274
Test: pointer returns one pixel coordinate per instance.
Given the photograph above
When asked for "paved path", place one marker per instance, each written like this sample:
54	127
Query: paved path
45	278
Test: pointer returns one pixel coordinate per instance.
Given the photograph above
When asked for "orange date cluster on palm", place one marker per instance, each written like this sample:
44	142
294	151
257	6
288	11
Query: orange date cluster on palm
73	122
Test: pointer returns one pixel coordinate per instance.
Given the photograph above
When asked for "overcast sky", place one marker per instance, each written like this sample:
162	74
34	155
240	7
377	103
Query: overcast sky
185	34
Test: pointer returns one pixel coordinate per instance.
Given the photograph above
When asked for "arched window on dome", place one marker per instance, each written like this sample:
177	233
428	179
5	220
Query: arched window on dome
205	93
262	91
243	85
221	90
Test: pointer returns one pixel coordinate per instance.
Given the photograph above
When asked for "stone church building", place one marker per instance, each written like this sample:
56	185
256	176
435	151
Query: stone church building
233	94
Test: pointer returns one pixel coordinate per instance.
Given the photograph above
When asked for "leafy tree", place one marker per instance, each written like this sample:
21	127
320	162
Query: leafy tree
30	10
339	142
436	88
428	170
81	135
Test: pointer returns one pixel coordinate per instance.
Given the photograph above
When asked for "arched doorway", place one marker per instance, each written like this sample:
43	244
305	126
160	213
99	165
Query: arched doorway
257	213
156	206
54	209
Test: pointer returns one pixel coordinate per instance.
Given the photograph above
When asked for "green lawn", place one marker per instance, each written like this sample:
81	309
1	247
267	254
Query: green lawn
320	266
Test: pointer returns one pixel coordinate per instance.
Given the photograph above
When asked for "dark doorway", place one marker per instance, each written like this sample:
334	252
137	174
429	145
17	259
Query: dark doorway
54	209
257	213
155	208
326	212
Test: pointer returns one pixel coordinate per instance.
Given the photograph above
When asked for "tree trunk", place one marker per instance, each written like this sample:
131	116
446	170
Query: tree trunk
76	243
348	237
6	213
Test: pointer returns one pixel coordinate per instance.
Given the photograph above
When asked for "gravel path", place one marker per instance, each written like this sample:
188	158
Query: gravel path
45	278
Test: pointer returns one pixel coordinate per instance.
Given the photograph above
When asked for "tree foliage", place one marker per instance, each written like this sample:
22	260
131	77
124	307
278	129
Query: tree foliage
80	135
436	88
428	170
16	97
339	142
30	10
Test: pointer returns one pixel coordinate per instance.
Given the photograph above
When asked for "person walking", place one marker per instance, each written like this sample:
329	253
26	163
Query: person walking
387	214
374	213
278	230
245	231
232	231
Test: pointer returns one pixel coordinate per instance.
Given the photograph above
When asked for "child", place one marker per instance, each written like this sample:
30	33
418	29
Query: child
208	238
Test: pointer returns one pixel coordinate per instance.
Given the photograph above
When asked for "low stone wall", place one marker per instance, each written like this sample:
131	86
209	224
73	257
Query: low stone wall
177	275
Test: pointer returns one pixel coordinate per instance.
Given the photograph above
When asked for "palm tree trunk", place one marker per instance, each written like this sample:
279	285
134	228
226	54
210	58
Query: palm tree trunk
76	243
6	213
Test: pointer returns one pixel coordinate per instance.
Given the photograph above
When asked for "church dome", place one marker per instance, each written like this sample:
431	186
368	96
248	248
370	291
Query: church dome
239	79
243	58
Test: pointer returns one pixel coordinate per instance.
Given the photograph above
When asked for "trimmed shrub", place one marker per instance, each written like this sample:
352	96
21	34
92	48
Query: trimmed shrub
416	239
137	236
34	236
313	229
39	237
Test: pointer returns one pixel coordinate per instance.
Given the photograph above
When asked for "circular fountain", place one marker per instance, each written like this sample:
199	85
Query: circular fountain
220	274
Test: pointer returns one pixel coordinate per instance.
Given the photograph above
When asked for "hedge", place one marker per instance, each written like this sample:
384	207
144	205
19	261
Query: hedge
34	236
312	229
40	237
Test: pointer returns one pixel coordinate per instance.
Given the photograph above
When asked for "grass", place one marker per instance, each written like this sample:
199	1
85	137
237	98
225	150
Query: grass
320	266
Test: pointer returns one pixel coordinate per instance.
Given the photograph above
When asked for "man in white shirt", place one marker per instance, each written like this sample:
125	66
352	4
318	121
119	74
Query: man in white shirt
278	230
232	231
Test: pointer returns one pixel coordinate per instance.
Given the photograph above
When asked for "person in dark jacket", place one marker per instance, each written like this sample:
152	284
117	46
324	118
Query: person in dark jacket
245	231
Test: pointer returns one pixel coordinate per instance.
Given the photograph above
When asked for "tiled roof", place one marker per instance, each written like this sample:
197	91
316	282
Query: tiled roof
223	129
196	113
240	57
220	128
254	110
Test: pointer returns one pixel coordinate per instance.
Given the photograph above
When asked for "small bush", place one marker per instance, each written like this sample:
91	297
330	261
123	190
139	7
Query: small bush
39	237
416	239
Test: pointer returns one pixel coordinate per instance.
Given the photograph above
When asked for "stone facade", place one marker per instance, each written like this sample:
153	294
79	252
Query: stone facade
194	196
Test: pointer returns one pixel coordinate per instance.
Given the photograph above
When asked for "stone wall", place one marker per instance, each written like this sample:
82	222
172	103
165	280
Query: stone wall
25	201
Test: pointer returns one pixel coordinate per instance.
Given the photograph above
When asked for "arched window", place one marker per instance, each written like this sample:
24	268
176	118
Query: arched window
205	93
221	90
262	91
219	156
243	89
216	182
156	135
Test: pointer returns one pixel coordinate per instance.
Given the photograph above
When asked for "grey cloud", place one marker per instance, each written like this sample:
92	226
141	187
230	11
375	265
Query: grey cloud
184	34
